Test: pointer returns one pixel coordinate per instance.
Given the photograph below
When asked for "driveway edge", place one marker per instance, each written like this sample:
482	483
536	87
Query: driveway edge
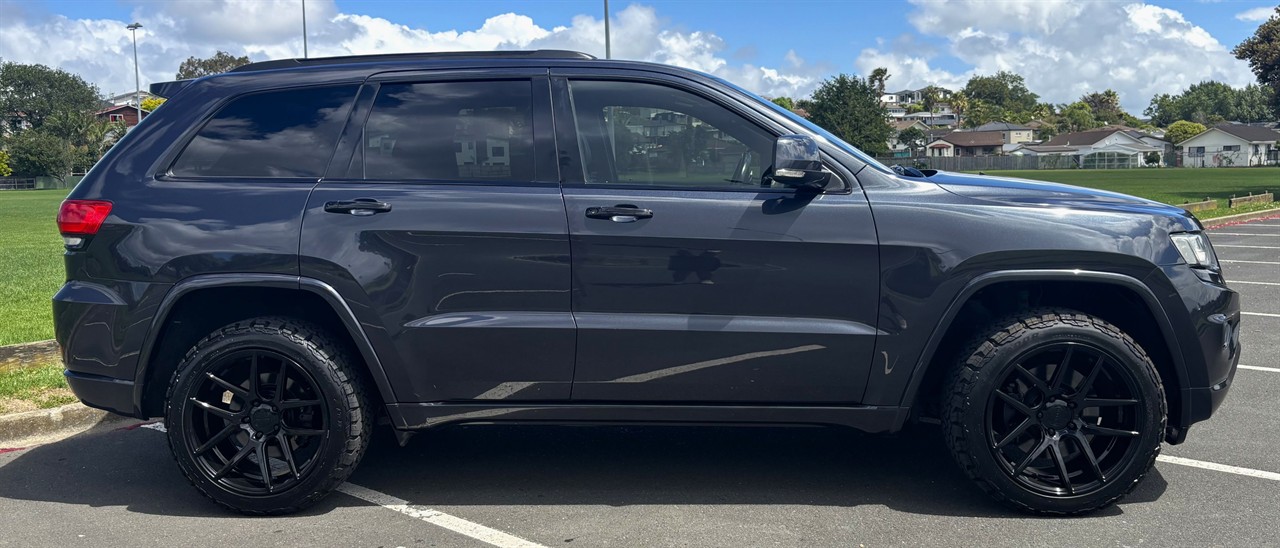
17	428
1219	222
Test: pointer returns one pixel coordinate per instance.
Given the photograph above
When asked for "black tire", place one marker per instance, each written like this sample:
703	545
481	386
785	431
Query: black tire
220	422
1047	443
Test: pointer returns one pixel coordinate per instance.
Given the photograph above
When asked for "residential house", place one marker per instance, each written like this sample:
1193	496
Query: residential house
966	143
1231	145
1012	133
896	148
129	98
934	118
1103	148
122	113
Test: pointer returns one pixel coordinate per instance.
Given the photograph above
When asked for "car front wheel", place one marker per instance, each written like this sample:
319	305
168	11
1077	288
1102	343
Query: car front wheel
1055	412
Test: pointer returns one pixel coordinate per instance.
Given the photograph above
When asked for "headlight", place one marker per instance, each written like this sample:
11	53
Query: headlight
1195	249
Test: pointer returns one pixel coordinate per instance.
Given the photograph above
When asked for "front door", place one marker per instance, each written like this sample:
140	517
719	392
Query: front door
446	233
695	280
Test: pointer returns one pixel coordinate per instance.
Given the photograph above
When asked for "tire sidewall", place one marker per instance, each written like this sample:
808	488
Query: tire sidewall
188	378
997	366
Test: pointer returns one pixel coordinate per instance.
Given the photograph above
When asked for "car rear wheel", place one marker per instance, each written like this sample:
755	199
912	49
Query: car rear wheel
266	416
1055	412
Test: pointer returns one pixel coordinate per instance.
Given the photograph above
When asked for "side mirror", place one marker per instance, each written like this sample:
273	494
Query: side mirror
796	163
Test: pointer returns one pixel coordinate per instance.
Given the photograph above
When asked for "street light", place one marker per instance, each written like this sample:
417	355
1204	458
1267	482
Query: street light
137	80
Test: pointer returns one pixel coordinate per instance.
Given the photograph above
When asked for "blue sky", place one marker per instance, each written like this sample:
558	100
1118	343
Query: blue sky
1063	47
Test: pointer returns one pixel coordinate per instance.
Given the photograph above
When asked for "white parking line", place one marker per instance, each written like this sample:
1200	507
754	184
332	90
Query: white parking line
1233	282
1248	246
1219	467
1242	234
1263	314
458	525
1257	368
1246	262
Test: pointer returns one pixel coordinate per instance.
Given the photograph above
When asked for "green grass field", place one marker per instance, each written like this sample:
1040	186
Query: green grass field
1168	185
31	249
30	263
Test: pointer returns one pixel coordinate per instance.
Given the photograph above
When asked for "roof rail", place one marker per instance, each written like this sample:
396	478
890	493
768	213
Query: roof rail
319	61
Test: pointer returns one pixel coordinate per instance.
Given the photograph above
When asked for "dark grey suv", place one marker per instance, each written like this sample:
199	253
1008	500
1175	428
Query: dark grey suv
283	255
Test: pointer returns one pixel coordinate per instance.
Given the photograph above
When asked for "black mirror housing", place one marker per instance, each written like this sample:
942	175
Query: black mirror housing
796	163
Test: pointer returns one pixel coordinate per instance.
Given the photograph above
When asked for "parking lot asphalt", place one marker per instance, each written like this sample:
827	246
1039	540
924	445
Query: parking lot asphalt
683	486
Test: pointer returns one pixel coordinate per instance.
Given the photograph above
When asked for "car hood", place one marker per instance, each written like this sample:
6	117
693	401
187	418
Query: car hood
1026	192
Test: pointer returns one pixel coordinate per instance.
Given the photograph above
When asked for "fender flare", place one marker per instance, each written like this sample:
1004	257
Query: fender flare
1058	275
279	281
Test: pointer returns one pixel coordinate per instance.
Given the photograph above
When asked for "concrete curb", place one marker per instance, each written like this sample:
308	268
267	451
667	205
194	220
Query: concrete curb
17	356
18	428
1229	220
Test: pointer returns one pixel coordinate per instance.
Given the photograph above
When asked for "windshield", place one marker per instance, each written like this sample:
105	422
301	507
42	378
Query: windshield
821	133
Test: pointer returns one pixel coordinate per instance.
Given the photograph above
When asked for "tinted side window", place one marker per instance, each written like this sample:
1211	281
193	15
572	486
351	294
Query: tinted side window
288	133
468	131
646	134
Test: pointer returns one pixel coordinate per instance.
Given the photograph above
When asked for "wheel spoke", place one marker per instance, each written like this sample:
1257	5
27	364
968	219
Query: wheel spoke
301	431
255	384
1060	372
1026	423
214	410
239	391
1087	384
1056	450
1035	381
239	456
217	438
1088	453
280	381
288	455
294	404
1105	402
1014	403
1044	443
264	464
1102	431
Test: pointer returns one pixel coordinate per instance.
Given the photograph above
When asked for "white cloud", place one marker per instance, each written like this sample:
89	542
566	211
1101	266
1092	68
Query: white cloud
1256	15
1064	48
101	50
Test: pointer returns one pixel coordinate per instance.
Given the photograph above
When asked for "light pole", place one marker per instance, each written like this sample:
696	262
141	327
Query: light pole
607	54
137	80
304	29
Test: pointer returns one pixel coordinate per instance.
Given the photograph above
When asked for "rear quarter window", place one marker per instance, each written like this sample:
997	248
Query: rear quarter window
288	133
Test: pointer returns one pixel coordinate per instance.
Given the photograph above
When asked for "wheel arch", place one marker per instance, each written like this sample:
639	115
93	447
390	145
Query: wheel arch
174	328
1111	293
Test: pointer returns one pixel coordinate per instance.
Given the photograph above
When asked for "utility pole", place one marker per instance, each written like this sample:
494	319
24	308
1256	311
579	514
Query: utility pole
137	80
607	53
304	29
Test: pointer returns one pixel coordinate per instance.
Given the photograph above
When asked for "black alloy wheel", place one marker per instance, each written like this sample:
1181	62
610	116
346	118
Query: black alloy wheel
1055	412
256	422
266	416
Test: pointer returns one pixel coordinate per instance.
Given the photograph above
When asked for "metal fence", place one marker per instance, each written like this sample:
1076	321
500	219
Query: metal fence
986	163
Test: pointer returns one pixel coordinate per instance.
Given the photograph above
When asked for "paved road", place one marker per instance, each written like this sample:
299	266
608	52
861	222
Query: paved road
675	486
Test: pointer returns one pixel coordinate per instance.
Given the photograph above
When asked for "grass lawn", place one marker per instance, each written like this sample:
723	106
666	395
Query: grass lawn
1169	185
32	388
31	255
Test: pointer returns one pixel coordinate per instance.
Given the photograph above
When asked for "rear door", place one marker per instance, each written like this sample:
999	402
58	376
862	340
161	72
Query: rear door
694	279
444	228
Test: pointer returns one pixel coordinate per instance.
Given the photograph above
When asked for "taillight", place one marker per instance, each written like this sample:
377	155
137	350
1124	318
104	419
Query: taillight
80	218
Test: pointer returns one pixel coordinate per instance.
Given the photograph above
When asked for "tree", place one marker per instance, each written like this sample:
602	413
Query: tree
150	104
784	102
221	62
1106	107
931	96
1211	102
35	92
1262	51
878	78
850	107
1075	117
1005	91
912	138
979	112
1182	130
36	152
5	170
